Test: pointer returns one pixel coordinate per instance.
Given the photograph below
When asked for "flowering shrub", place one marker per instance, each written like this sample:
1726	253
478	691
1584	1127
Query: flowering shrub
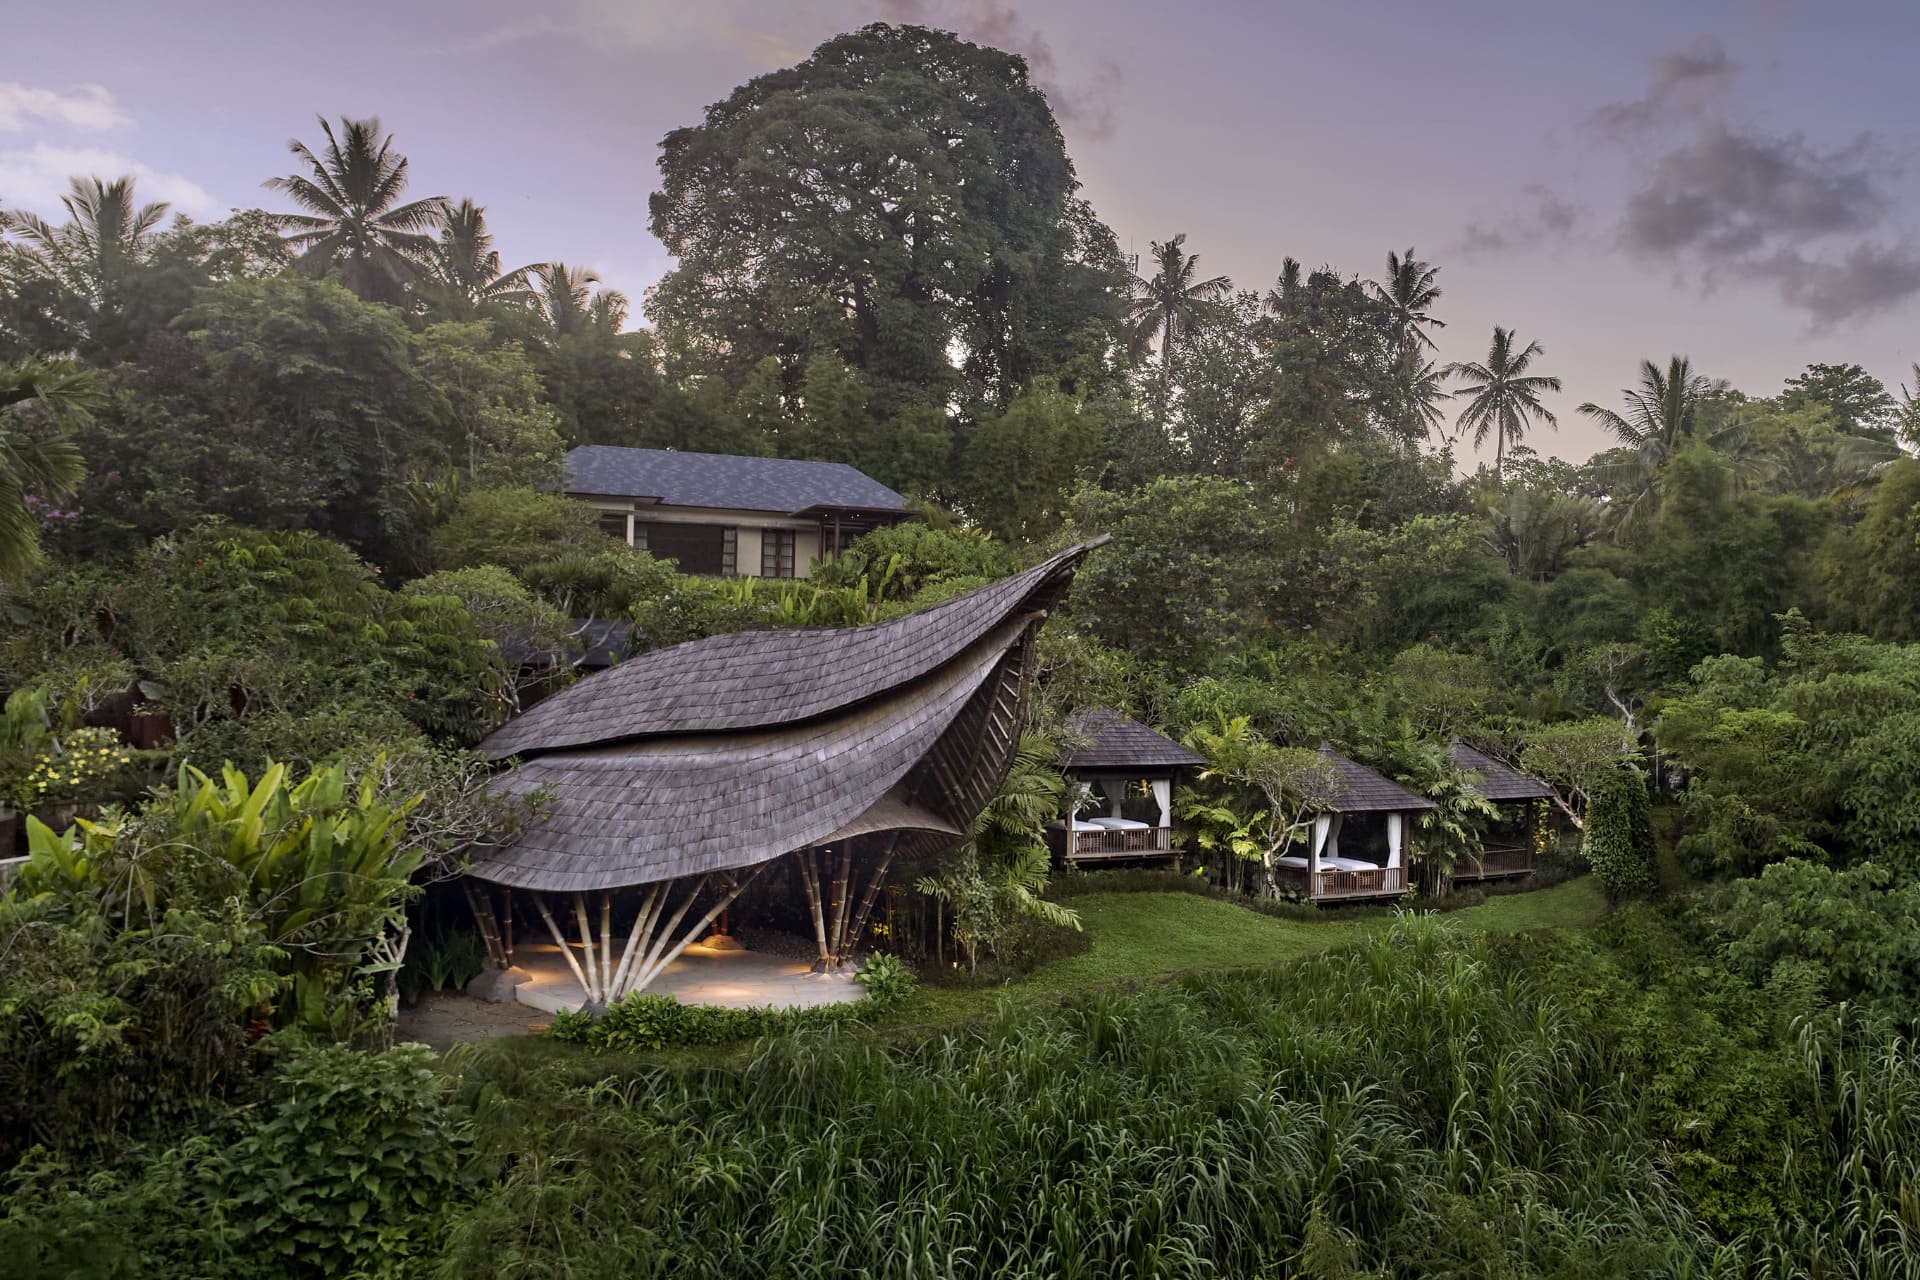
82	767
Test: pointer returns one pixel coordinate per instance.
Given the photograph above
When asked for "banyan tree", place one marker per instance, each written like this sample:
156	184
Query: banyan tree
668	784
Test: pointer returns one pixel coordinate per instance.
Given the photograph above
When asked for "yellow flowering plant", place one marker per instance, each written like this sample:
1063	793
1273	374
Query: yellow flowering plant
83	766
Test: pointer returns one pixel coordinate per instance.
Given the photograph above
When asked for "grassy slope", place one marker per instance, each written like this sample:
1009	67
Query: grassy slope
1145	935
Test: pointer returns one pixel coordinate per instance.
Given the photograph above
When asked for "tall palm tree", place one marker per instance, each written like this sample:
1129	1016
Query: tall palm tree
1663	414
572	305
1505	397
106	229
353	220
38	463
463	267
1173	302
1423	390
1409	291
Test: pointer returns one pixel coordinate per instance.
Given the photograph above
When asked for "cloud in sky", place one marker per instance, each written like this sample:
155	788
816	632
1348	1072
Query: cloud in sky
37	177
1540	217
1720	201
1684	84
86	107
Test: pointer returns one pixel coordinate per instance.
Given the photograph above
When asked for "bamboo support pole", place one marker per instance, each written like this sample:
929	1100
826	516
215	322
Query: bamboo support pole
865	908
812	884
540	900
665	935
606	944
687	939
483	918
642	926
586	946
838	915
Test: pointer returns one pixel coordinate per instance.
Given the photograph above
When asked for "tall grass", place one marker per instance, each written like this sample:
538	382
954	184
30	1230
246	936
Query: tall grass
1404	1105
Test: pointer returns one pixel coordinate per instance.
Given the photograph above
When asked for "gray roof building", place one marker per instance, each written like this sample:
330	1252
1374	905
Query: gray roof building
787	486
1119	743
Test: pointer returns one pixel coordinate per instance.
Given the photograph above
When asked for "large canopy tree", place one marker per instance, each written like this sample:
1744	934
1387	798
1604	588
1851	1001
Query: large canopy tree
353	219
901	199
463	272
107	229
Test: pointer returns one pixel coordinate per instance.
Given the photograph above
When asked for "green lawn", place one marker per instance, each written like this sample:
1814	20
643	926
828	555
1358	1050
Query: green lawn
1147	935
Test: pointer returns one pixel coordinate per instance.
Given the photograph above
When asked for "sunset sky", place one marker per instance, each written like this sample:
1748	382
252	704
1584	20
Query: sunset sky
1736	181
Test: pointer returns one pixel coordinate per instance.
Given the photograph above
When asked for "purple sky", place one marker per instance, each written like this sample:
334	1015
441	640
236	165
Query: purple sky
1734	180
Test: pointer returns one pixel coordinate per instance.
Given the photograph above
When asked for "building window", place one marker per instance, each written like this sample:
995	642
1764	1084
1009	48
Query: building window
776	553
706	549
614	524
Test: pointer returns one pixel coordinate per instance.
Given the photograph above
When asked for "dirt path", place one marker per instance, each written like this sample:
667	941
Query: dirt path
443	1021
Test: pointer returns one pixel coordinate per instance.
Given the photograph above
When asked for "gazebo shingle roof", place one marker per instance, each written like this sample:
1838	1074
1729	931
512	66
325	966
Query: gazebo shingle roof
1120	743
1364	791
1499	782
723	754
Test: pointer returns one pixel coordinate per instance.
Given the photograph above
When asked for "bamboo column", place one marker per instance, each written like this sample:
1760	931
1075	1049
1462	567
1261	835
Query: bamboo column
560	940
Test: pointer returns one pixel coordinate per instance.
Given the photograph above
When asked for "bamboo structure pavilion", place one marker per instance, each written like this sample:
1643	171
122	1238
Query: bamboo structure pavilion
671	781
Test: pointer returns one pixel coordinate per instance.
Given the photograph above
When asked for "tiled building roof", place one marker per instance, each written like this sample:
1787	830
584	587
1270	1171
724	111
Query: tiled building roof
1364	791
1499	782
724	480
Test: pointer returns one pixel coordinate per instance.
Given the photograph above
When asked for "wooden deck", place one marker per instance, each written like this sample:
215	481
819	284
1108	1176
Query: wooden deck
1333	886
1098	846
1496	862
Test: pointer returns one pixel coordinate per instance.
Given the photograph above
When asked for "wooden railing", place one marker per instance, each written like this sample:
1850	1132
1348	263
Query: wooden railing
1135	842
1496	861
1373	882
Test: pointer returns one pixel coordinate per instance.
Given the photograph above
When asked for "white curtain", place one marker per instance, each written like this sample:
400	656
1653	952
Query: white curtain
1114	792
1163	796
1396	826
1322	827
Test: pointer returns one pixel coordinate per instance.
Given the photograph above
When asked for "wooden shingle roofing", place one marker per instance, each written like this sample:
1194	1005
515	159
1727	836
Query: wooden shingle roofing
1119	743
753	679
656	787
1364	791
1499	782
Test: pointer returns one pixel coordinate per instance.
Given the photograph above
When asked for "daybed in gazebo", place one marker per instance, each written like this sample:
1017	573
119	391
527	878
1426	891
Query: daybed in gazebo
1360	843
1510	843
1131	768
673	780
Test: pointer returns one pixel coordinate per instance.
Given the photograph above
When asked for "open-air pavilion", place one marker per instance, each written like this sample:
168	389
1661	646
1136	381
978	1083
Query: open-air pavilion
801	760
1360	841
1131	771
1511	841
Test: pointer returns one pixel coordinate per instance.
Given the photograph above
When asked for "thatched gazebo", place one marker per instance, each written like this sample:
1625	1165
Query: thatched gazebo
673	780
1511	841
1131	767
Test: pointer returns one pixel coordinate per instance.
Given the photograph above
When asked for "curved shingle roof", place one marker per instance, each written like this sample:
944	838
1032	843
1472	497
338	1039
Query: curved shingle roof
909	735
1499	781
724	480
1120	743
762	678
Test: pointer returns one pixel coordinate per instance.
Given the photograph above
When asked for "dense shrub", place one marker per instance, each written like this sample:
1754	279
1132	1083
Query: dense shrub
646	1023
1619	837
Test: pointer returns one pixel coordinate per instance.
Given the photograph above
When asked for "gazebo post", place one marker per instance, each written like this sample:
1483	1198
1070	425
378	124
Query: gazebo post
651	962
